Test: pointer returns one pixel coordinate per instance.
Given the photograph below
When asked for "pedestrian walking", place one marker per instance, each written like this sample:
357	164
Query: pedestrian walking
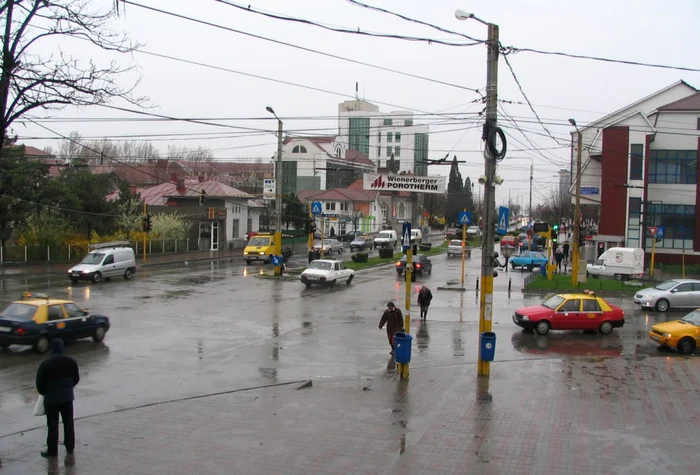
558	257
332	232
424	298
393	318
565	250
55	379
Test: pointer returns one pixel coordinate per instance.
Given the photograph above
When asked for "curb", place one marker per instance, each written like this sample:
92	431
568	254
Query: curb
274	277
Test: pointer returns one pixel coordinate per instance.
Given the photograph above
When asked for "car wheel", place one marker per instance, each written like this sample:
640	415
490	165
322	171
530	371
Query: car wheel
512	264
399	273
128	274
430	271
350	279
340	251
662	305
97	277
248	261
449	255
686	346
618	277
42	346
332	283
99	334
75	281
308	286
542	327
269	259
530	267
606	328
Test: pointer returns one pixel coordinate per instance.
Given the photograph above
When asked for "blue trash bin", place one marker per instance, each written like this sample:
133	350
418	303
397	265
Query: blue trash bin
543	270
488	346
402	347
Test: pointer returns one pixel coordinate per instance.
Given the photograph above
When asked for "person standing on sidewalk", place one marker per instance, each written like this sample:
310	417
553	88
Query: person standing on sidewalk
393	318
424	298
55	379
559	257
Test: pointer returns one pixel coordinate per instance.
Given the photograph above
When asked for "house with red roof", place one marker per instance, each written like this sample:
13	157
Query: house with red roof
345	210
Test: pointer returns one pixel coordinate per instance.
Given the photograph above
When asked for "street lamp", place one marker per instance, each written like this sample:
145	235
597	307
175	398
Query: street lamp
577	210
278	191
489	180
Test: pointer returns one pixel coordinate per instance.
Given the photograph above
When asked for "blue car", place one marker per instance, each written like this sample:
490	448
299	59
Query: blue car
529	260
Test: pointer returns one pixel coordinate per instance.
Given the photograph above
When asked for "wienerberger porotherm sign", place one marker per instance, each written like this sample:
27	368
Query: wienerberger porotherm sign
411	183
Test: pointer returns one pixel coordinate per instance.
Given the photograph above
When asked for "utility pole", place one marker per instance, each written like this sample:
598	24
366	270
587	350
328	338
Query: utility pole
529	216
577	209
278	192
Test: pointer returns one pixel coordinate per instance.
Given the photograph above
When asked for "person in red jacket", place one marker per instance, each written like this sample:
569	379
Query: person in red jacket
393	318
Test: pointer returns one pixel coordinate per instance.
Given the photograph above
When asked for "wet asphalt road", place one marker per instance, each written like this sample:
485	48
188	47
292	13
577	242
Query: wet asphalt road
181	331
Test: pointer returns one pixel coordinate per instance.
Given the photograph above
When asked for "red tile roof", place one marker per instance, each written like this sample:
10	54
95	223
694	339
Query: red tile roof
355	157
158	195
337	194
690	103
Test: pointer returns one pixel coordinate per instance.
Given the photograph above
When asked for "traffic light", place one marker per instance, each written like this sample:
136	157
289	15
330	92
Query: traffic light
311	226
581	236
212	213
202	196
555	233
147	225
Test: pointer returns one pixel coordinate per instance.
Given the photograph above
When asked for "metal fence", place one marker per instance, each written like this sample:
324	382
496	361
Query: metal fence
70	253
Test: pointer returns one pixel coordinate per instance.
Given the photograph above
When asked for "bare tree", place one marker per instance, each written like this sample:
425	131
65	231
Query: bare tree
555	208
31	79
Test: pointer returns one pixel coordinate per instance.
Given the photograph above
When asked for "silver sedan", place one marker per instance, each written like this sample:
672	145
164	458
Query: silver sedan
676	293
329	246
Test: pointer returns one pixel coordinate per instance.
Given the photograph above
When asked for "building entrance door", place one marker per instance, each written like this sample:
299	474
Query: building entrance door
214	236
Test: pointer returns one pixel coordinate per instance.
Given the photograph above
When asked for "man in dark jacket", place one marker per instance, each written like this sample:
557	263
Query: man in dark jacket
424	298
393	318
55	380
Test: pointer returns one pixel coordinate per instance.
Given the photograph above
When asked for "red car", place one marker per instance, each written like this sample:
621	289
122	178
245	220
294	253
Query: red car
571	312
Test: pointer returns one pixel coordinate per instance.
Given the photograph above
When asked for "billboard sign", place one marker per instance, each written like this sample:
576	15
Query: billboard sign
410	183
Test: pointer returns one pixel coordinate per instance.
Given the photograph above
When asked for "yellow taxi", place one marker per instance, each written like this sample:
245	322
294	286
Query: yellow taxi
683	334
37	319
260	247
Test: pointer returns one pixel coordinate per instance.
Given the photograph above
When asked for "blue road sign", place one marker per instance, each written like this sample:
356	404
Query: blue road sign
464	218
316	207
276	260
660	232
406	236
590	190
503	213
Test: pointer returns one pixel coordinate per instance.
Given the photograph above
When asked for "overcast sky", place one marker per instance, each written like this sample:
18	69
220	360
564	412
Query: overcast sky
559	88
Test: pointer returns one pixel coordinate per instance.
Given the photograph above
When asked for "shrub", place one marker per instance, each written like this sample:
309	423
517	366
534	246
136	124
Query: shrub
386	253
360	257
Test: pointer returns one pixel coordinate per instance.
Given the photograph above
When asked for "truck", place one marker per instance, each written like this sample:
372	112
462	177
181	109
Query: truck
622	263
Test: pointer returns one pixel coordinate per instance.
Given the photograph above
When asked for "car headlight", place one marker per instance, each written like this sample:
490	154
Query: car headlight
525	317
245	253
261	253
666	335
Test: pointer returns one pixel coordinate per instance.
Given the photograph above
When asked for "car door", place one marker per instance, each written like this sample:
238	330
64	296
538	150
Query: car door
591	315
56	322
78	323
109	267
695	297
337	275
566	316
342	272
681	295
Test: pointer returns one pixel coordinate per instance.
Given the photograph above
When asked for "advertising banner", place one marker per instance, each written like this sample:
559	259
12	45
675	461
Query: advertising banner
410	183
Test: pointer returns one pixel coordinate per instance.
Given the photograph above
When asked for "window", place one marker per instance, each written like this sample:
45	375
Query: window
591	306
636	161
388	137
289	177
698	123
385	213
387	122
344	206
397	137
677	167
573	305
397	151
299	149
55	313
359	135
401	210
678	221
389	151
108	260
330	206
409	122
687	287
634	222
420	154
73	310
379	151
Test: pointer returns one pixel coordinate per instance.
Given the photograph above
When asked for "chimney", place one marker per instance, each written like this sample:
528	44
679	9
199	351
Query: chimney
161	163
132	190
180	184
201	178
173	177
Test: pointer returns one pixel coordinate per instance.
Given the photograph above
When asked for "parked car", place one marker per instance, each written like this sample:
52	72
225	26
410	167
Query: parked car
386	238
107	260
349	236
454	248
537	243
420	262
622	263
416	236
453	233
528	260
683	334
329	246
361	243
583	311
326	272
473	231
37	319
675	293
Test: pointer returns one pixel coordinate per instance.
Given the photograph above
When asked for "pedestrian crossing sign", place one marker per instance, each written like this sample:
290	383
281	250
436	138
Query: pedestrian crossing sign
464	218
503	213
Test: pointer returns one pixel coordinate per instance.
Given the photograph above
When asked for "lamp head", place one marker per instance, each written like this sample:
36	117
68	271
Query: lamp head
270	110
572	122
462	15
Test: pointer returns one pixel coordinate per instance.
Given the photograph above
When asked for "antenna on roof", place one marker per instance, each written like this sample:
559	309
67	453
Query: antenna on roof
357	85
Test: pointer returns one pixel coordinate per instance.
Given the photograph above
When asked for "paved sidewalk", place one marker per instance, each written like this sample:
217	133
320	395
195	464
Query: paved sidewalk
574	416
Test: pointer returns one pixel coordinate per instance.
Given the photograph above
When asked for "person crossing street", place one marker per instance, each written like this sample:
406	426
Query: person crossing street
393	319
424	298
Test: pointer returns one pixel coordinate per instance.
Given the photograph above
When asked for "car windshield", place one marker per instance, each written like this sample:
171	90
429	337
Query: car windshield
384	235
258	242
360	239
693	317
668	285
455	243
93	258
320	265
327	242
553	302
19	310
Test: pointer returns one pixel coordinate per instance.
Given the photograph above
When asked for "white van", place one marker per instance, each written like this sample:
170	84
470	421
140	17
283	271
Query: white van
106	260
416	236
619	262
386	238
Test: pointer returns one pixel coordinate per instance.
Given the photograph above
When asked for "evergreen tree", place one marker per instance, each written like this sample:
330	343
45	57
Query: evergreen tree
468	196
455	193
